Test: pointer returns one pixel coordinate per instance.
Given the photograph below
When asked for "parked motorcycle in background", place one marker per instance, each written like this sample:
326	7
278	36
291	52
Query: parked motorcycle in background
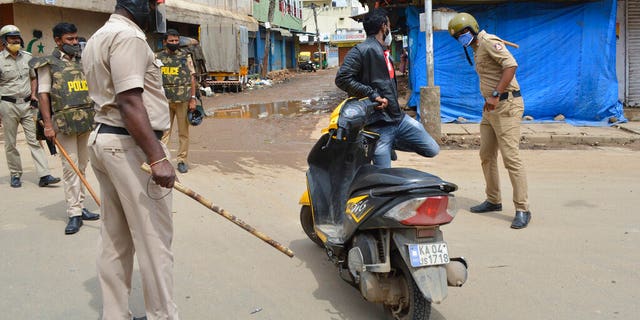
380	227
307	66
305	62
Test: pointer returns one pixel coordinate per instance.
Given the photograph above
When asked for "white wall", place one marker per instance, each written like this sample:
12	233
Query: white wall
329	20
31	17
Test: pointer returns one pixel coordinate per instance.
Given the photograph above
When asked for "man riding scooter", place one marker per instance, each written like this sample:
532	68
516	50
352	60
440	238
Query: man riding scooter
367	71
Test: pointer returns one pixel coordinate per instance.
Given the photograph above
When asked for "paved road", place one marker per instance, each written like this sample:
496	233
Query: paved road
579	259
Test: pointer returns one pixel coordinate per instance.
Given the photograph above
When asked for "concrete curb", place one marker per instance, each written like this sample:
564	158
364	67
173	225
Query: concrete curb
466	135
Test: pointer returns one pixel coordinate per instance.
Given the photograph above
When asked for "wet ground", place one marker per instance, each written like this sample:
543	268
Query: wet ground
271	124
265	125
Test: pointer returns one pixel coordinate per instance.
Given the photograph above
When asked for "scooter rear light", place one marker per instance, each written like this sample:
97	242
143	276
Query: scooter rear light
426	211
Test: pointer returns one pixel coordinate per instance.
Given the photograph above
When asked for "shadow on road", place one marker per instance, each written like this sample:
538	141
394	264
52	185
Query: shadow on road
56	211
465	203
136	299
345	299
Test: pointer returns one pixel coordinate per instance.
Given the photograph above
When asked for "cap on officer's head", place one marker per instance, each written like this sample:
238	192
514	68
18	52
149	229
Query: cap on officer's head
462	21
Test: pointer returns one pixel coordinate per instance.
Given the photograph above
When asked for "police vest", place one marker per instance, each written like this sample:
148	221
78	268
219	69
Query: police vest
176	77
72	108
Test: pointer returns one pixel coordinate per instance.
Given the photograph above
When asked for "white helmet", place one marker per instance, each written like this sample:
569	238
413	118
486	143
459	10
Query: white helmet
9	30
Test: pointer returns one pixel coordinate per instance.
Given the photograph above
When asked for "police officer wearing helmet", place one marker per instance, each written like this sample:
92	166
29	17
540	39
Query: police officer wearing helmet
67	114
179	81
132	112
17	91
501	116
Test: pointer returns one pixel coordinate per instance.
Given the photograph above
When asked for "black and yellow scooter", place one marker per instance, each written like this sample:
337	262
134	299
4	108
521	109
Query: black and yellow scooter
381	227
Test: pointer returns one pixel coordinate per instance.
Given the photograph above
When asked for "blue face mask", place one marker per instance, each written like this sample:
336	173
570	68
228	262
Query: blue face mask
465	39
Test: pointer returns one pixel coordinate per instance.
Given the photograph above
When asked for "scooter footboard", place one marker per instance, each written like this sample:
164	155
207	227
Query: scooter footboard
432	280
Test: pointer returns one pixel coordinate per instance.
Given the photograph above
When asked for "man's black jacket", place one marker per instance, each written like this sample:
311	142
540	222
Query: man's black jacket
364	73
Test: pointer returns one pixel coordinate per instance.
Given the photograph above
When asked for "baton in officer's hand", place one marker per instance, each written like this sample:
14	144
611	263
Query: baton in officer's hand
193	195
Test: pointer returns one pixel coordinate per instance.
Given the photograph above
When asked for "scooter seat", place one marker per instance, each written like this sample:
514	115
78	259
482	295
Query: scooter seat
370	177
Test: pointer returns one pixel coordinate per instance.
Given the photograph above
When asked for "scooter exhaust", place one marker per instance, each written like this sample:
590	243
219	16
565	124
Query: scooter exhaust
456	272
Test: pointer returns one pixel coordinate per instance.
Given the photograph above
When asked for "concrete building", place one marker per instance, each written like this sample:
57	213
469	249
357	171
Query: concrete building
338	32
216	23
287	21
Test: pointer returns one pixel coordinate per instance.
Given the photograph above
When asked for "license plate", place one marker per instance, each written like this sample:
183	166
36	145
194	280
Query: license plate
428	254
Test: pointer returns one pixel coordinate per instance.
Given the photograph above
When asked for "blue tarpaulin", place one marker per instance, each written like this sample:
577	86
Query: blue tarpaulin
566	61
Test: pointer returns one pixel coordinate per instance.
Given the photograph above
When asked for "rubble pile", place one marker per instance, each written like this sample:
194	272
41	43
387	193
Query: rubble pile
279	76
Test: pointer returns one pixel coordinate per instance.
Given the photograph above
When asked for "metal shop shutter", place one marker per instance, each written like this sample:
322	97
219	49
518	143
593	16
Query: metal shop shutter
633	52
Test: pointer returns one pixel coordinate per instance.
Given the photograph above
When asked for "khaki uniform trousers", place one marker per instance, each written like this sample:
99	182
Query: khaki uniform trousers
12	115
179	110
500	130
76	146
136	218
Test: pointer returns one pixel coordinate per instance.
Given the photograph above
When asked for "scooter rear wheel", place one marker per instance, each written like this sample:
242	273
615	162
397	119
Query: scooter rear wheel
415	306
306	220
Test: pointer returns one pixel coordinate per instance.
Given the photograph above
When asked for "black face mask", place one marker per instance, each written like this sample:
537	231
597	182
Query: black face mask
173	46
71	50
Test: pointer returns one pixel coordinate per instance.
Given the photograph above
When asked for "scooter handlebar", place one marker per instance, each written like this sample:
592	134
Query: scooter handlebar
372	104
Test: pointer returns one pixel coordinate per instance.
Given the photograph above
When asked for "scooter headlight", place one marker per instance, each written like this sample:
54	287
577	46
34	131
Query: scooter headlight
425	211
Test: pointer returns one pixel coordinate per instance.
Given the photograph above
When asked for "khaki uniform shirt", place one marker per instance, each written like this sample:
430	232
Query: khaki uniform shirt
117	58
15	75
491	57
44	76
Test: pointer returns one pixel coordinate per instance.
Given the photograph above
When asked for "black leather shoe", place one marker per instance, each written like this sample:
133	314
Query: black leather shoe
182	167
74	225
87	215
15	182
521	220
47	180
486	207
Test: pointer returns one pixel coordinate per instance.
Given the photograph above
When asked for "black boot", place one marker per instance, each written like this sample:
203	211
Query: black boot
74	225
87	215
15	182
486	207
47	180
521	220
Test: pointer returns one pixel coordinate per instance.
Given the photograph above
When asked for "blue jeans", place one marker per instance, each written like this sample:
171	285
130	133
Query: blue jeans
408	135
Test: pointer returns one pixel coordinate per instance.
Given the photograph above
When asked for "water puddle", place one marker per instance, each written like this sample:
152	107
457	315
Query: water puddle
272	109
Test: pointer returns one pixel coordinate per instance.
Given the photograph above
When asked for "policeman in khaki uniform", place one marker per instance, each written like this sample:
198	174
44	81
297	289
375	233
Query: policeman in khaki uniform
179	81
132	113
67	113
17	90
501	116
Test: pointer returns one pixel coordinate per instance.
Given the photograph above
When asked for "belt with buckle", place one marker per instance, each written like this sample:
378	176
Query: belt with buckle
105	128
14	100
505	95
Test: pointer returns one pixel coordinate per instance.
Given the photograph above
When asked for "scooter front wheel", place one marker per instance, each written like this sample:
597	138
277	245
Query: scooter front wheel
306	220
414	306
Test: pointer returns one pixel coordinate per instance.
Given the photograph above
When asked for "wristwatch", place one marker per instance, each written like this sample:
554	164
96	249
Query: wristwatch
495	93
194	97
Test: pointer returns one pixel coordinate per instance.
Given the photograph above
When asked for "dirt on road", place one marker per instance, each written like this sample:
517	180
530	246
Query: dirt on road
264	125
269	124
578	259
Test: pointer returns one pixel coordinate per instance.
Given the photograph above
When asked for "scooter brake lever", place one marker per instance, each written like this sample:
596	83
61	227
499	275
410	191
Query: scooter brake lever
331	133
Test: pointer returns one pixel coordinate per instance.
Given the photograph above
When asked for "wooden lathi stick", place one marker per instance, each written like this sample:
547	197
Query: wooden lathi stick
195	196
76	170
